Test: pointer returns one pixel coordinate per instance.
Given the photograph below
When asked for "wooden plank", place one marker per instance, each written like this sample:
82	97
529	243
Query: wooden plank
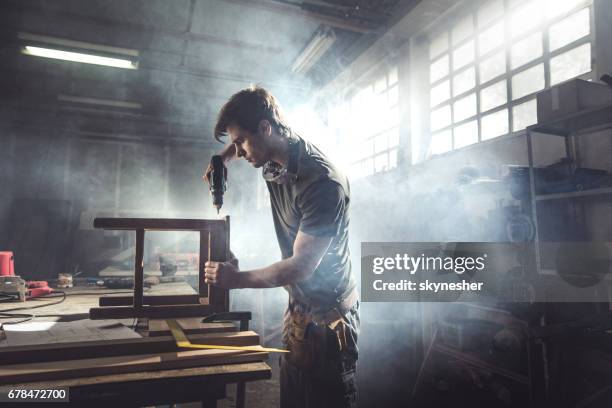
227	372
109	348
158	327
203	288
150	300
124	364
219	252
158	312
158	224
139	270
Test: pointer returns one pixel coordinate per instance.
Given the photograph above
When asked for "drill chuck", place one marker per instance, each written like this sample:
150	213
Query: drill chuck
217	181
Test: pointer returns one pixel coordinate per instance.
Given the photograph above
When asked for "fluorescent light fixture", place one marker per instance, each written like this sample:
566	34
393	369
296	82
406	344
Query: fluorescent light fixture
98	102
78	57
315	49
78	51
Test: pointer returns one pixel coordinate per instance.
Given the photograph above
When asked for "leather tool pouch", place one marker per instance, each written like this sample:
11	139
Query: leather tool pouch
306	341
312	340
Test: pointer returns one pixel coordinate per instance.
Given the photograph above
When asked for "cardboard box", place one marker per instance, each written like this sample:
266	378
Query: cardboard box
571	97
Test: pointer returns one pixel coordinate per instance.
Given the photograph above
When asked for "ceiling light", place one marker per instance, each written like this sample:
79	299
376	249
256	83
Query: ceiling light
320	43
78	57
78	51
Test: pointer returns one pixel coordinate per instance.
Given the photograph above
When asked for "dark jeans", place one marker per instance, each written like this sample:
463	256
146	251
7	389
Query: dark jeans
332	384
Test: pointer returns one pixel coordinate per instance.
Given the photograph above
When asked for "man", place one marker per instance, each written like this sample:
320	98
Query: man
310	200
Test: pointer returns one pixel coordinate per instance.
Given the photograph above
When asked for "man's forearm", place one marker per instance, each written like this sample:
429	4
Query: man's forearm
280	273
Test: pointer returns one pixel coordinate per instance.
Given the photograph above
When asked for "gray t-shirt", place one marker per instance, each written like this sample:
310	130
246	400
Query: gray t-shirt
316	203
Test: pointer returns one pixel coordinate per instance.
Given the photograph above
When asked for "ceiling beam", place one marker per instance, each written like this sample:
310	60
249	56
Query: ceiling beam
296	10
50	118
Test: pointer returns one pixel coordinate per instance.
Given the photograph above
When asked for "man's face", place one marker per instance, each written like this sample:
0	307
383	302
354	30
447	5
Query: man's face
250	146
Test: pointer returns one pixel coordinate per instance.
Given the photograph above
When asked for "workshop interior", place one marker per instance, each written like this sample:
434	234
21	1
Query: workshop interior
465	121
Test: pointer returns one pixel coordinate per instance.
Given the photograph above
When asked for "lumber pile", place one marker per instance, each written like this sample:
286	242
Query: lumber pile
42	362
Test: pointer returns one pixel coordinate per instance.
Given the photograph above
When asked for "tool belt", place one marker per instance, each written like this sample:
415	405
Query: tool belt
315	337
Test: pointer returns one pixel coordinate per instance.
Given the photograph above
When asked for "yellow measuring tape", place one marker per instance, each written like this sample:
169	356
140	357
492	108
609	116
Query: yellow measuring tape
183	341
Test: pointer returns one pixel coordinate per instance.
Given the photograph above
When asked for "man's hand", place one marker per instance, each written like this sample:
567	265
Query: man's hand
222	274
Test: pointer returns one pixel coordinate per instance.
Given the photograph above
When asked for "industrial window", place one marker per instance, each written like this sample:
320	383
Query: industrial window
486	69
371	119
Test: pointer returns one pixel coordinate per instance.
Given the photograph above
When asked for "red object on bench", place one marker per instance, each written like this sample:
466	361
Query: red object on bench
38	288
7	264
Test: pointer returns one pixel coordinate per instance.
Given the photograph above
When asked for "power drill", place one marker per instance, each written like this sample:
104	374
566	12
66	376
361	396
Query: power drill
218	177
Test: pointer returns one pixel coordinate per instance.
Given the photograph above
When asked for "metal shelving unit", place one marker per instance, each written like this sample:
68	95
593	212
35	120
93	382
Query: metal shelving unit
569	127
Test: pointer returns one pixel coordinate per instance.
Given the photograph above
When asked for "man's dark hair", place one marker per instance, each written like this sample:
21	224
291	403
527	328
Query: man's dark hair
247	108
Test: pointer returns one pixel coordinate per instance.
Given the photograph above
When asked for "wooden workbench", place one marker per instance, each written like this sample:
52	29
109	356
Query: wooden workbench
81	303
206	384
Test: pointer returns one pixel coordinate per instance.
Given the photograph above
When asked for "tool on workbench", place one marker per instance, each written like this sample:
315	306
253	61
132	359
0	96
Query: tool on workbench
217	181
64	280
38	289
13	286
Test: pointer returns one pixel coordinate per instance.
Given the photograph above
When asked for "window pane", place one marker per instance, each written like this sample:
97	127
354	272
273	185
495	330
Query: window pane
463	55
440	93
528	81
366	148
393	137
525	18
464	81
464	108
393	116
440	117
570	64
439	69
392	76
493	96
523	115
495	124
569	30
491	38
380	85
381	162
393	96
492	67
381	143
466	134
556	8
490	11
393	158
438	45
367	167
440	142
526	50
462	30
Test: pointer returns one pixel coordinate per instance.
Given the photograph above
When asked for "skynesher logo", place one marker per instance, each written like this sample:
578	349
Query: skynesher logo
412	264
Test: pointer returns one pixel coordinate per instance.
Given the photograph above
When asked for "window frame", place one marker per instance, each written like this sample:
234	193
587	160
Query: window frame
545	58
371	139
